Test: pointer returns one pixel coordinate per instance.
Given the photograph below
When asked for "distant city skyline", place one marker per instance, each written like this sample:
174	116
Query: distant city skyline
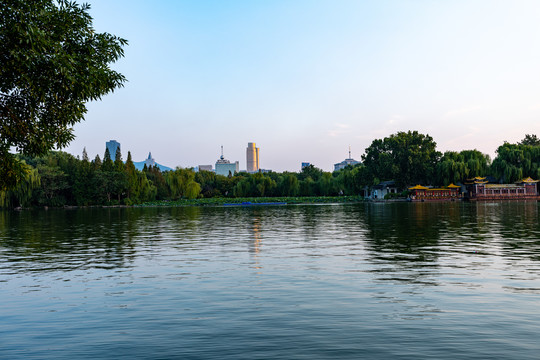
112	146
252	156
305	78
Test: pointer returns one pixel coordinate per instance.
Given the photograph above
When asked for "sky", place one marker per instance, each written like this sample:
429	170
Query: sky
306	79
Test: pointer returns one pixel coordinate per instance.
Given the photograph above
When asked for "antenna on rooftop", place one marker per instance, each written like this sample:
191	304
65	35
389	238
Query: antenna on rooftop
350	152
222	151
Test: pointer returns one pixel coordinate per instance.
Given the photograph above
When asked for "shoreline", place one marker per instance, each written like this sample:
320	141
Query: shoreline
263	201
228	202
255	201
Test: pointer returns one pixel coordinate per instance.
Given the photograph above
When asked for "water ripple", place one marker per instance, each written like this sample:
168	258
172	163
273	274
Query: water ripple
377	281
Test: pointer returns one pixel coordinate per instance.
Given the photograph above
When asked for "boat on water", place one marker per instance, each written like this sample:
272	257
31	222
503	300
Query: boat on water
421	193
479	189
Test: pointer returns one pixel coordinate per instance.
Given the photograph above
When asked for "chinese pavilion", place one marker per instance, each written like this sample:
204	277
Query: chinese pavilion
479	189
422	193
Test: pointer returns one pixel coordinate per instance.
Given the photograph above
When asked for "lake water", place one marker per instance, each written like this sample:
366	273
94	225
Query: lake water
357	281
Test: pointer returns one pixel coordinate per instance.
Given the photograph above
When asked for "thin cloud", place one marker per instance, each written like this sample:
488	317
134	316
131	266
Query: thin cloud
339	129
461	111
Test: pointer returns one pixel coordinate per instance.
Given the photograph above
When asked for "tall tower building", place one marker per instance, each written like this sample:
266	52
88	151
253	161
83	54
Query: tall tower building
252	158
112	145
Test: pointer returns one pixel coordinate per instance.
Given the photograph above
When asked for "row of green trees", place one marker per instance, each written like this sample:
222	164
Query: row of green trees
408	158
411	158
59	179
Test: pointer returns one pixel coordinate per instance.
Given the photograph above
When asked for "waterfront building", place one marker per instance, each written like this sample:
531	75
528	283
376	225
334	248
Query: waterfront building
252	158
112	145
225	167
378	191
423	193
479	189
346	162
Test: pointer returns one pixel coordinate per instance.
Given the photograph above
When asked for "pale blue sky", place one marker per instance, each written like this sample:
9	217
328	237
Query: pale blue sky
304	79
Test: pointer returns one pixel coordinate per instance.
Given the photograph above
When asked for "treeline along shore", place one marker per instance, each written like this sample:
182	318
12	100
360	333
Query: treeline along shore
60	179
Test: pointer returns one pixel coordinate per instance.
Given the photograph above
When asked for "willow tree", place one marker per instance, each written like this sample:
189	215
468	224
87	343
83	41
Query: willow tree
181	183
52	62
21	194
352	181
288	184
516	161
456	167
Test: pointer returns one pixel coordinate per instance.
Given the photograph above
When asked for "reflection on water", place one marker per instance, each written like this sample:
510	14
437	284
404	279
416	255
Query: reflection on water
332	281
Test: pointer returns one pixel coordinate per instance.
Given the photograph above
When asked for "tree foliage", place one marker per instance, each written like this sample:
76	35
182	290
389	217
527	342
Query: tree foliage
455	167
517	161
182	184
405	157
21	194
288	185
530	139
61	179
353	180
51	63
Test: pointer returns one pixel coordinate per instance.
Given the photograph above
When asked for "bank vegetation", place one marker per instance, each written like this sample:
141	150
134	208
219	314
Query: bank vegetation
408	158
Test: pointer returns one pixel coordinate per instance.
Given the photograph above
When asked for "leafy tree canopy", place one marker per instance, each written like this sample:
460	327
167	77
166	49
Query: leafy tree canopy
455	167
406	157
530	139
51	63
310	171
516	161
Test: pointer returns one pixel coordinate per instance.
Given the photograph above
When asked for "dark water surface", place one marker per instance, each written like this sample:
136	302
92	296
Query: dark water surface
367	281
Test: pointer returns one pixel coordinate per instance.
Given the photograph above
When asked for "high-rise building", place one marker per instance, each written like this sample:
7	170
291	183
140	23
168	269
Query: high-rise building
252	158
112	145
225	167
